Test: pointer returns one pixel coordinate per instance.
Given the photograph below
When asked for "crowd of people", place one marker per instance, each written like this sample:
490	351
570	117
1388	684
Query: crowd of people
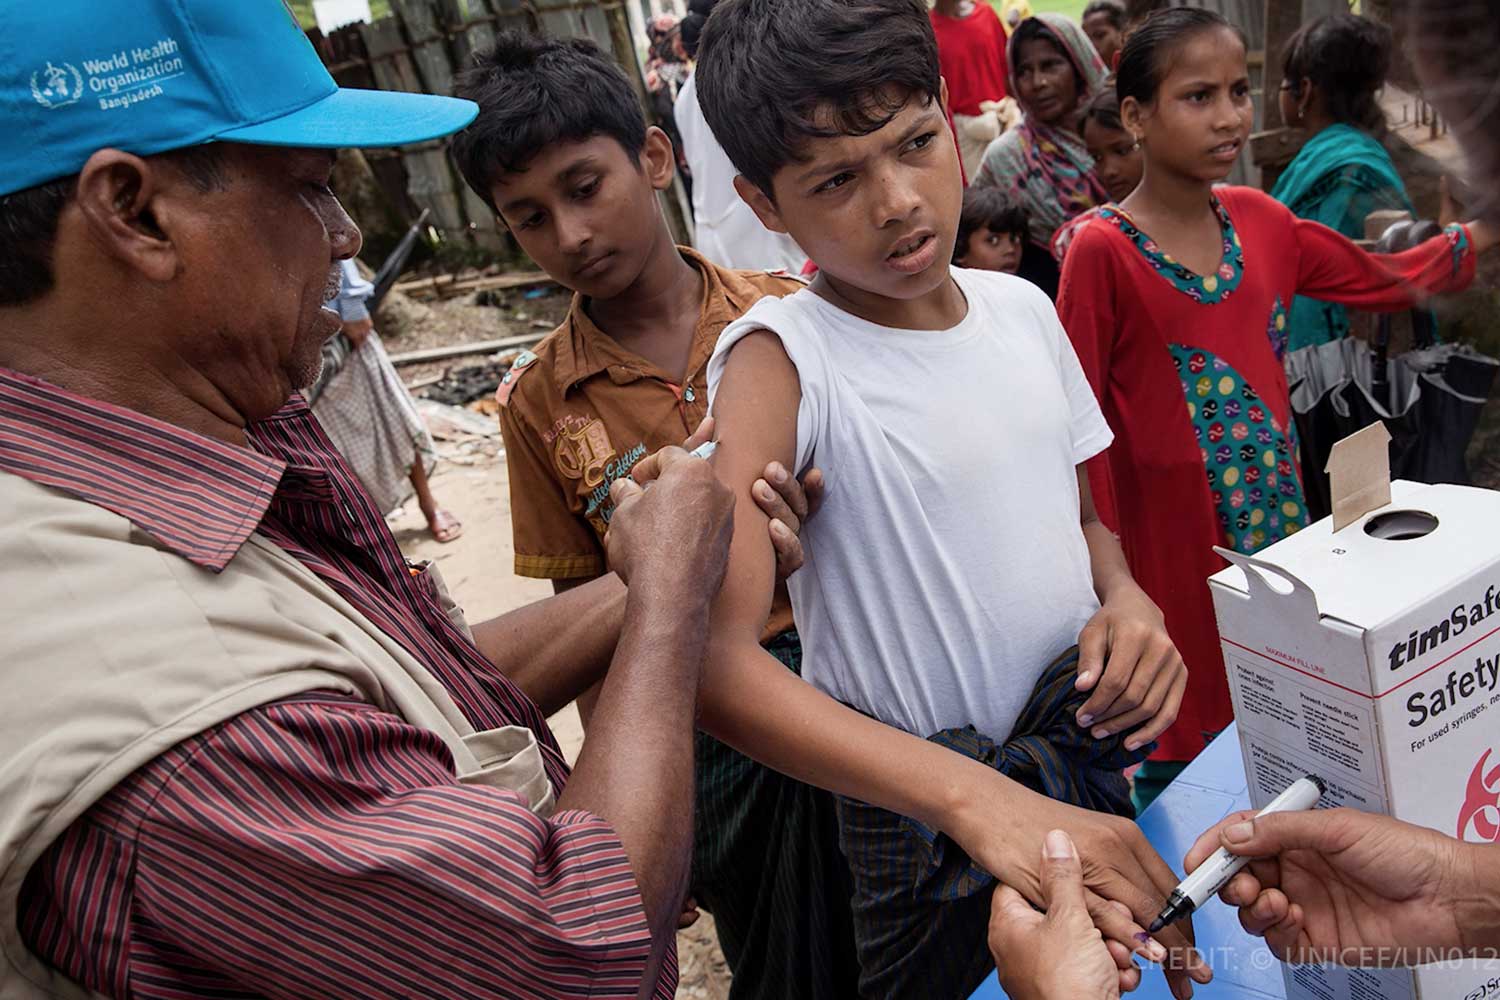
988	382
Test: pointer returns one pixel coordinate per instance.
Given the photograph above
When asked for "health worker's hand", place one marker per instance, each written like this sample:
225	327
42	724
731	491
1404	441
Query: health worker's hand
788	502
1058	954
1351	888
1002	825
1134	670
678	534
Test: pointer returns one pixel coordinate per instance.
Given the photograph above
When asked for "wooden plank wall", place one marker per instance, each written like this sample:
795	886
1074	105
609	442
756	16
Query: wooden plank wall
421	47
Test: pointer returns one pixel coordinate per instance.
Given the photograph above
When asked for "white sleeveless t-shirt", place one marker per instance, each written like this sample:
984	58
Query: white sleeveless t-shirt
947	566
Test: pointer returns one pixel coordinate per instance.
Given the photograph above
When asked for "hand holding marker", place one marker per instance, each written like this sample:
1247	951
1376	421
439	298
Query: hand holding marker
703	451
1221	866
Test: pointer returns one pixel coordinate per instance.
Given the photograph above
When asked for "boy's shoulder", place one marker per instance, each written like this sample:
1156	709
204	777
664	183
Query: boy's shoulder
529	386
745	287
999	291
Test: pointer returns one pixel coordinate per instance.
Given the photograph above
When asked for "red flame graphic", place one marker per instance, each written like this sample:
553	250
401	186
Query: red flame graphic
1479	819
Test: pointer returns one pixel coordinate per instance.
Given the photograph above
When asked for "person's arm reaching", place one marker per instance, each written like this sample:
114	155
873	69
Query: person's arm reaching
555	649
636	768
1126	659
351	863
754	704
1087	310
1334	269
1124	653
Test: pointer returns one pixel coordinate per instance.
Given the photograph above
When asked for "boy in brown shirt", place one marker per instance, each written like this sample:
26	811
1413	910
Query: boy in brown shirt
561	152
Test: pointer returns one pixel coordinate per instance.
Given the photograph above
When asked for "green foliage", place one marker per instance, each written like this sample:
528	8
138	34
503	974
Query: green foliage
1072	8
304	11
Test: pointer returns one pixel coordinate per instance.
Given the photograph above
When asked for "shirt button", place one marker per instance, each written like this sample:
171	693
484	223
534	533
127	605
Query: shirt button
689	395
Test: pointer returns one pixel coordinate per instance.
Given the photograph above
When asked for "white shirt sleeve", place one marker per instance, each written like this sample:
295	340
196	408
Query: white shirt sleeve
807	356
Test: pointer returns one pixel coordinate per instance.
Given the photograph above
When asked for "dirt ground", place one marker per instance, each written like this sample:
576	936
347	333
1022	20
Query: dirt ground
478	570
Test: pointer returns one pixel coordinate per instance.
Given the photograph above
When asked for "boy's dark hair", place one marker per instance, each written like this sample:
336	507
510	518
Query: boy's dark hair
774	73
1105	108
28	222
1346	57
533	91
1110	9
987	208
1149	49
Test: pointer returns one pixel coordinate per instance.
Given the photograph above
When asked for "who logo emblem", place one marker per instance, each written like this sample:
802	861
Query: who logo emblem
56	86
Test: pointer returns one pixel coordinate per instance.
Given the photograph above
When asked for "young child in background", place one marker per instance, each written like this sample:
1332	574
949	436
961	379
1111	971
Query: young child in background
1176	302
956	564
1118	163
991	231
1104	22
560	150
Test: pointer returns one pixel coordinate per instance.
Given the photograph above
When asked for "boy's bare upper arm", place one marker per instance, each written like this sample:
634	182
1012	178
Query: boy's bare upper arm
755	417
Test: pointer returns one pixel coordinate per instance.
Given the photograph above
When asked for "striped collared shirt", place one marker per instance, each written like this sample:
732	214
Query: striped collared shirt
315	846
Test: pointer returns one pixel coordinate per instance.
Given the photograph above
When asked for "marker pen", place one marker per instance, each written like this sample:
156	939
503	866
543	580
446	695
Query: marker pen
703	451
1221	866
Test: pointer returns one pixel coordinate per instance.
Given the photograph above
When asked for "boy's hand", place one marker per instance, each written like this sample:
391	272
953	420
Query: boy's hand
789	503
1057	954
1002	826
1126	657
357	330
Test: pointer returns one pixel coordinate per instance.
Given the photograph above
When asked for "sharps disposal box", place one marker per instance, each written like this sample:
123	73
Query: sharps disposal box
1370	656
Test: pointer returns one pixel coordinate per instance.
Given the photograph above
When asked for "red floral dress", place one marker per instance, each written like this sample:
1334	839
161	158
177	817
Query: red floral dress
1188	370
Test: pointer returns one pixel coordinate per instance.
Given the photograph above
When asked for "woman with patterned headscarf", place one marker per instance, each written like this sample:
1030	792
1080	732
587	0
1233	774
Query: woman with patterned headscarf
1054	74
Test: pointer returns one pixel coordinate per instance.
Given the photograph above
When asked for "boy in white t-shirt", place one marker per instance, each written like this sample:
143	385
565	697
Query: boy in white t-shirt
957	554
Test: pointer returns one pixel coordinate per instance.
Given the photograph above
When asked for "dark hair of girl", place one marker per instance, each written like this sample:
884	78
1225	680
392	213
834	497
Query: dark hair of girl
1105	108
1149	50
1346	57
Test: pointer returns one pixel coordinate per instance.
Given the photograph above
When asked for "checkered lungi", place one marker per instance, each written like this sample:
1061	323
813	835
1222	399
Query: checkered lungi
368	414
921	906
766	864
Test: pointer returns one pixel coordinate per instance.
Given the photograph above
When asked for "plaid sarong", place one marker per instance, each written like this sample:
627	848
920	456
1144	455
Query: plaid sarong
369	416
767	865
921	906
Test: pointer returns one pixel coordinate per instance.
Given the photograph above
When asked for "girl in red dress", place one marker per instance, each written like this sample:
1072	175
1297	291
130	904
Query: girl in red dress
1176	303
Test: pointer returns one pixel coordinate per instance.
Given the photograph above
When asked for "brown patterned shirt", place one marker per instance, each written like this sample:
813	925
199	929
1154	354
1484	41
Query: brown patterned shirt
579	411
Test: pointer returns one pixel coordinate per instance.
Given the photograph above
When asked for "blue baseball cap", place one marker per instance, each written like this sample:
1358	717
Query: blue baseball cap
148	76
